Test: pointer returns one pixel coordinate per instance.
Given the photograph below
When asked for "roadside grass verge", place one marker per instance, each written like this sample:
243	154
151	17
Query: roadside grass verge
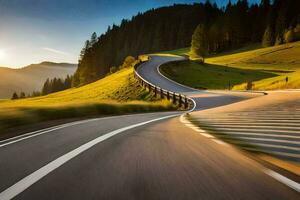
178	52
266	68
27	115
118	93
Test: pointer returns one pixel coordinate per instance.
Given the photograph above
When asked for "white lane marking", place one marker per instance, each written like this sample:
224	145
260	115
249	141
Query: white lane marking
29	180
195	105
43	131
195	128
174	82
207	135
53	128
283	179
220	142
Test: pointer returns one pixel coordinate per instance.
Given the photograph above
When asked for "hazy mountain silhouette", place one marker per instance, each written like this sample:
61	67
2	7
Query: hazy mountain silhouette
31	77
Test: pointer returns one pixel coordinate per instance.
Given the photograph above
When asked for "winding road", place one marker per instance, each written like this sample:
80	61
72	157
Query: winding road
142	156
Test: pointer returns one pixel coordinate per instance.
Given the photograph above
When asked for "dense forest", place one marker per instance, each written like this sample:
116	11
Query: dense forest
172	27
205	27
270	24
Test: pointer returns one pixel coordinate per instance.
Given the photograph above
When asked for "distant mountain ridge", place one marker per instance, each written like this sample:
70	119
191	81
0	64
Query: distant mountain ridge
31	78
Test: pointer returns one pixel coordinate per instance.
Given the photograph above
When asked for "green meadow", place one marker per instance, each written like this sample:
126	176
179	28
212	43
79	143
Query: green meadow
266	68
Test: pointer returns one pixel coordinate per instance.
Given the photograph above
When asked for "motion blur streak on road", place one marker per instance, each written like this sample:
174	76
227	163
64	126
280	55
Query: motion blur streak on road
270	124
164	160
161	160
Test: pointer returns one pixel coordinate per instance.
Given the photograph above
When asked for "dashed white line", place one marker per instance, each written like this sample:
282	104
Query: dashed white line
220	142
284	180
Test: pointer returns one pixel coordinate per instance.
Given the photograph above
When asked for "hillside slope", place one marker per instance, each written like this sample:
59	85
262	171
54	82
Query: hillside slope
31	78
266	67
118	93
281	60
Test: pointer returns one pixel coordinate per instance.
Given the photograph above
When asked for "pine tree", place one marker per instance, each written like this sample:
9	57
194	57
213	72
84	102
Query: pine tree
199	44
83	51
15	96
268	38
46	87
94	39
68	82
22	95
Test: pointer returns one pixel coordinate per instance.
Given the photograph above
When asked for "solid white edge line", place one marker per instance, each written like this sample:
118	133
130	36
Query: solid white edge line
29	180
25	136
283	179
43	131
292	184
195	105
185	86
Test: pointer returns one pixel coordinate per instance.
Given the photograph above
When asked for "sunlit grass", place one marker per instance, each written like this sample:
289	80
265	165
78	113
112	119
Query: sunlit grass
282	57
118	93
209	76
178	52
270	67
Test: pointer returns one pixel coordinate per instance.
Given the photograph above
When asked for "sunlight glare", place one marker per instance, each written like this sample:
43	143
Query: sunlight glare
2	54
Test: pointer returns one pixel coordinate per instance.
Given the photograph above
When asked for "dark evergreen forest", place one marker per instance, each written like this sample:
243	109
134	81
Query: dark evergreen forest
172	27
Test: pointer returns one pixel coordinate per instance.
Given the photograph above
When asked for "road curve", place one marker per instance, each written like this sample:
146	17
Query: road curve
203	99
145	156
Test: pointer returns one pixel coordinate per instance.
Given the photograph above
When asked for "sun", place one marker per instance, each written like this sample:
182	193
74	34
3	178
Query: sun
2	54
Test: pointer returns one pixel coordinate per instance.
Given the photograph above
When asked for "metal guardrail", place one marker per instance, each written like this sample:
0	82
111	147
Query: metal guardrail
176	98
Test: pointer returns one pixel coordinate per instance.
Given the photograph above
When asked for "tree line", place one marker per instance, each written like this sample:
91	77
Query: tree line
49	86
155	30
60	84
239	24
172	27
206	27
56	85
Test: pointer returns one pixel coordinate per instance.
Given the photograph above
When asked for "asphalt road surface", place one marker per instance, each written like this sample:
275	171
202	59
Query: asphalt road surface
144	156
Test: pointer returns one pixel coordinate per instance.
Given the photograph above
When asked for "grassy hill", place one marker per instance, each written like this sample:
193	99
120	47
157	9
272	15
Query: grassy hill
31	78
118	93
266	67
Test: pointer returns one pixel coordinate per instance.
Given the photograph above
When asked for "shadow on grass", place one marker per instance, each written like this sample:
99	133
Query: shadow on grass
211	76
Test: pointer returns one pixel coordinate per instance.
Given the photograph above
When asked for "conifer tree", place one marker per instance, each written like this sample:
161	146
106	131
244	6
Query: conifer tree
15	96
199	44
268	38
22	95
46	87
94	39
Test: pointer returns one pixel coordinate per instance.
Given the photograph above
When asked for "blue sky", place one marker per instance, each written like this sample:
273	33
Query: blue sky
32	31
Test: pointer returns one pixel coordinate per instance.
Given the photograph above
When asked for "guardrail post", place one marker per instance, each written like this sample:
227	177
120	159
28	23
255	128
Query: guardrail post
180	100
174	98
186	104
